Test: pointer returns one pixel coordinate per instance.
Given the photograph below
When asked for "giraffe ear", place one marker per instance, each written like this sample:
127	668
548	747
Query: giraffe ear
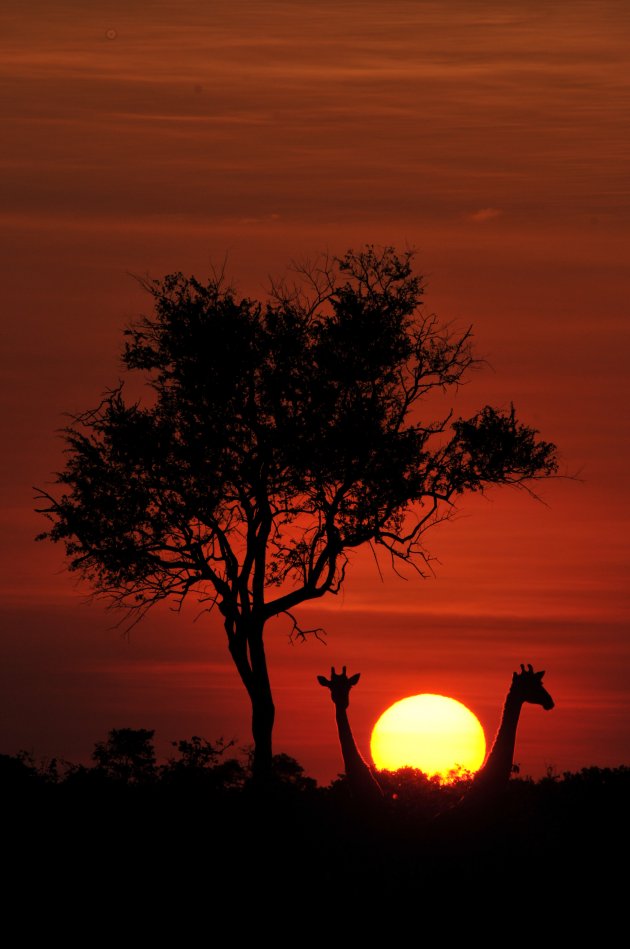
323	681
354	679
539	675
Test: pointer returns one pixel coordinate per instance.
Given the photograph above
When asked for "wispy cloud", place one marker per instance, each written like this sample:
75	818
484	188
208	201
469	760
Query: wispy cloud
485	214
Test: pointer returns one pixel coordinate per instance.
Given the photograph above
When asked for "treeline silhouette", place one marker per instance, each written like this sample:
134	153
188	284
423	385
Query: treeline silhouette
197	819
126	761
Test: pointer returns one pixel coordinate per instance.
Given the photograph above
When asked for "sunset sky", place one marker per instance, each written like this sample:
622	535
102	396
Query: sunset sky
143	138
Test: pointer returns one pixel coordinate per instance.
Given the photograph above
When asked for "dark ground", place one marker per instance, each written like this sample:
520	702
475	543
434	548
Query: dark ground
195	854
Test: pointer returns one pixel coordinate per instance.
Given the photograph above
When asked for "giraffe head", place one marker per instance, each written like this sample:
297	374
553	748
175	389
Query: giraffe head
527	687
339	685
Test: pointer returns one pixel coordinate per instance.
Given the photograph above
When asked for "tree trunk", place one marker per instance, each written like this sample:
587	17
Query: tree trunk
263	714
248	653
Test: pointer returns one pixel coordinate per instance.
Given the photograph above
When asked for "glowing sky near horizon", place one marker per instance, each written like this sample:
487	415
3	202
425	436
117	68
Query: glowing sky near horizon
143	138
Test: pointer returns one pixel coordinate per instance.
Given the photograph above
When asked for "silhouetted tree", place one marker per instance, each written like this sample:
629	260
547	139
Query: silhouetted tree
290	773
127	756
19	772
200	764
279	435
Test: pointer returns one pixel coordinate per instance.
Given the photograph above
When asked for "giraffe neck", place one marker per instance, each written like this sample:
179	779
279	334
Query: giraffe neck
362	782
498	767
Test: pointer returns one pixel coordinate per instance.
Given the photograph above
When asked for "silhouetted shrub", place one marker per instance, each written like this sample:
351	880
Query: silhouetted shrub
128	756
200	766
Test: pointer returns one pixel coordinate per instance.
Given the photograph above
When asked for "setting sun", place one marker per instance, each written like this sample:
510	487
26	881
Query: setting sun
433	733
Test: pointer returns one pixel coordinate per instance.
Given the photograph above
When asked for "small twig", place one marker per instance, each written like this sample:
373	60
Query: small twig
298	633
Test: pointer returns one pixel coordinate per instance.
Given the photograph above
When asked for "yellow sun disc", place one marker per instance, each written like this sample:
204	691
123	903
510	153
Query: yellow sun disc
433	733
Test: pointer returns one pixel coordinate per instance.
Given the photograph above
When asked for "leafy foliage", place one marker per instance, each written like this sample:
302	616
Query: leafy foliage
127	756
201	764
280	436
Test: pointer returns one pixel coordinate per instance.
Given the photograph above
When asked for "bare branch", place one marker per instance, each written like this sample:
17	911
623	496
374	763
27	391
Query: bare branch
301	634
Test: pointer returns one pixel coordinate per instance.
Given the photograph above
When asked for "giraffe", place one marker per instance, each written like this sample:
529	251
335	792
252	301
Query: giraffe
361	780
526	686
493	777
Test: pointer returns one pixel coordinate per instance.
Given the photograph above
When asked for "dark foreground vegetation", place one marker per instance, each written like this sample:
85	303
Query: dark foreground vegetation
195	830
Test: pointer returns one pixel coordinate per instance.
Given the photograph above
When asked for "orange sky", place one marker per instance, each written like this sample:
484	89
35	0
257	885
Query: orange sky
151	137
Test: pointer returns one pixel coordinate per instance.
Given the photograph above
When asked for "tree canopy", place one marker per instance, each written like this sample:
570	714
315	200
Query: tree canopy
278	436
